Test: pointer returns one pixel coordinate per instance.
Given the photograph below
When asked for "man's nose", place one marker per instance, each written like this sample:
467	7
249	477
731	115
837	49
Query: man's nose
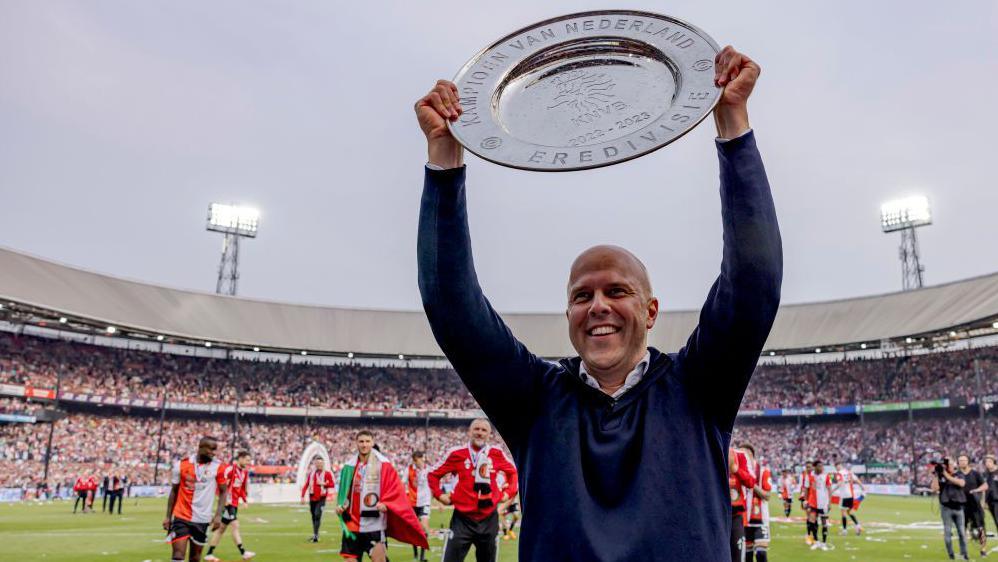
599	305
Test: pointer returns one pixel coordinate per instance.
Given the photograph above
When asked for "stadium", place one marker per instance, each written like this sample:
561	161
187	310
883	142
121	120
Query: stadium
384	373
94	384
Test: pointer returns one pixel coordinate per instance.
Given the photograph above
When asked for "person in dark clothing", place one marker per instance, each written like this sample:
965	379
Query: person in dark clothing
949	485
612	443
117	493
974	488
991	477
105	488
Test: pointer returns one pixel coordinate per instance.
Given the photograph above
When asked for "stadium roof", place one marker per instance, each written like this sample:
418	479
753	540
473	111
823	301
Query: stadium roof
197	316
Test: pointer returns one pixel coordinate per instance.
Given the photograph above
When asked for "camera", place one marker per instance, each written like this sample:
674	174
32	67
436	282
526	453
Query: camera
941	466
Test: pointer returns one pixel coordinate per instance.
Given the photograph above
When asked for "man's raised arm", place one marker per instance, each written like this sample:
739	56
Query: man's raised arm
498	370
722	352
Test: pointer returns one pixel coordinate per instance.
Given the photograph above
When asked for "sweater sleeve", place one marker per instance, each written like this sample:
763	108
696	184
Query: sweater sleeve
502	375
735	320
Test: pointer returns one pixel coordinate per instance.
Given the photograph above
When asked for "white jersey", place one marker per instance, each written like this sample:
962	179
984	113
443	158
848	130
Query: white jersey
421	484
844	487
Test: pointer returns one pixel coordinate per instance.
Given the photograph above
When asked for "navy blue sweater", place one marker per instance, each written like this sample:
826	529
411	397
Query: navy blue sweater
643	477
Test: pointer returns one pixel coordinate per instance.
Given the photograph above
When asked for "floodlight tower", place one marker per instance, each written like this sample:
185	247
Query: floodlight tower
906	215
234	222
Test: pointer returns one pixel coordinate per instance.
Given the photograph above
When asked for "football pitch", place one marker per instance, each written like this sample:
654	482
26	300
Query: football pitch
901	529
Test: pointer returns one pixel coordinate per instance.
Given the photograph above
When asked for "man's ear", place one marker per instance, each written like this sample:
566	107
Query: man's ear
652	313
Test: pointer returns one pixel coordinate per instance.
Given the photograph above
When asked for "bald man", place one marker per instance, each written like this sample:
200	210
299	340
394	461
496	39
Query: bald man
612	445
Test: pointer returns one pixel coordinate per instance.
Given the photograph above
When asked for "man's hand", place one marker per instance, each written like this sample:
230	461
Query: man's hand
444	499
340	509
216	523
433	111
737	74
166	524
381	507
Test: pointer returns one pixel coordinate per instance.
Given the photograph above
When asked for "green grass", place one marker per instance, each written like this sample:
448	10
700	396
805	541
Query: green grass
895	531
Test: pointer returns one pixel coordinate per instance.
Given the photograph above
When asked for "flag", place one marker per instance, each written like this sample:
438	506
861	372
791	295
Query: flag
403	525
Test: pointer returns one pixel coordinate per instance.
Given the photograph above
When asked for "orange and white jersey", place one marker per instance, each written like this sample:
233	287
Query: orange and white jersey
819	490
787	487
844	487
197	485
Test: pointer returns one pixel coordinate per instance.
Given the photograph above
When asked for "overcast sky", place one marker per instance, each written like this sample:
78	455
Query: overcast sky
121	120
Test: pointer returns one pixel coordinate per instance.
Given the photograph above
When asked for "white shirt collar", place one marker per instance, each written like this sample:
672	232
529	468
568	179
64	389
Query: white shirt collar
632	379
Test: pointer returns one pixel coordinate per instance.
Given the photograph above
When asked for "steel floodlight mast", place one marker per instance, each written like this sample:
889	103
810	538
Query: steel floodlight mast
906	215
234	222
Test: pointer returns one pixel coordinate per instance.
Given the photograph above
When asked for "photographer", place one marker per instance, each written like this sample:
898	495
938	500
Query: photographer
974	488
951	500
991	476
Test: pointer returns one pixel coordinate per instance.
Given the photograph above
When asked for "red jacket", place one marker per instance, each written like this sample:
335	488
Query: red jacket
317	485
80	486
92	484
238	484
465	499
738	481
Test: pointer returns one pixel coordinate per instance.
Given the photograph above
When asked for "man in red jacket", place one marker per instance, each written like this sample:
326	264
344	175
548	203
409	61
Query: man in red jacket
80	488
317	484
475	520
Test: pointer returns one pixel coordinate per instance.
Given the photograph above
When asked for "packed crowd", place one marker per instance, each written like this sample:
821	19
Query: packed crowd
89	369
86	443
835	383
98	370
99	444
893	446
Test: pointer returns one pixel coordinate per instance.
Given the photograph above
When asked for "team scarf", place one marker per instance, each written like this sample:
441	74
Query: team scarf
381	483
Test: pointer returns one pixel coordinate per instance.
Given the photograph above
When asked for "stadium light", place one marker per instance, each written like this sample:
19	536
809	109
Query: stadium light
817	350
401	356
952	334
995	325
905	215
256	349
160	337
207	344
772	353
350	355
111	330
63	320
303	352
233	219
862	346
908	212
908	340
235	222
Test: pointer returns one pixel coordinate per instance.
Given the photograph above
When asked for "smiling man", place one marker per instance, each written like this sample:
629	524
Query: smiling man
612	445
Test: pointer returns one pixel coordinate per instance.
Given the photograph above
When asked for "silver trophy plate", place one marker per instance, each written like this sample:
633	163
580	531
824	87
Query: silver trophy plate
586	90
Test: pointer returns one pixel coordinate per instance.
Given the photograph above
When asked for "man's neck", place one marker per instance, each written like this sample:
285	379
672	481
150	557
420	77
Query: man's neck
476	448
611	380
363	456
